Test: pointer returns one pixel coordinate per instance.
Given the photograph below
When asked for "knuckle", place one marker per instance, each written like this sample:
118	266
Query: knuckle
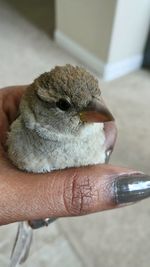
79	196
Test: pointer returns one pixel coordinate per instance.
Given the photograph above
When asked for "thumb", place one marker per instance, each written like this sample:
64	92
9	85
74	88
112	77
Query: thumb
69	192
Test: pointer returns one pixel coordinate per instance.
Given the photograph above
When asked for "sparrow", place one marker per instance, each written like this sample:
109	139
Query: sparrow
61	122
60	125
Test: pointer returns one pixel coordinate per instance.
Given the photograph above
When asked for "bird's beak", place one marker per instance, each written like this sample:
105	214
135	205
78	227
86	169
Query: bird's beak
96	111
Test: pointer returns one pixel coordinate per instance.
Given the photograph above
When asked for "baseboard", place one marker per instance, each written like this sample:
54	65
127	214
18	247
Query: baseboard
116	70
108	71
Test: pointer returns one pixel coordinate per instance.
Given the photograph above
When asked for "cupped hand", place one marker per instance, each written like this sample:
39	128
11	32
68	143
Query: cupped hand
69	192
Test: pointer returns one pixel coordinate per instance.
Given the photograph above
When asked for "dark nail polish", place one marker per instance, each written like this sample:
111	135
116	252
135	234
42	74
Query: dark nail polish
35	224
131	188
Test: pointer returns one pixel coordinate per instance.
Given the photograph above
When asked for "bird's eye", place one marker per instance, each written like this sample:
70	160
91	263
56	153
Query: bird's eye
63	104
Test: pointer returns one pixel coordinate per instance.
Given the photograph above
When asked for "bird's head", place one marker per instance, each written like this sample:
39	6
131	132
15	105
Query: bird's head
69	97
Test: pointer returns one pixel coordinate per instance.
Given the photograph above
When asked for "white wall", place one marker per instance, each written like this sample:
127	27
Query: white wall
130	29
84	21
107	35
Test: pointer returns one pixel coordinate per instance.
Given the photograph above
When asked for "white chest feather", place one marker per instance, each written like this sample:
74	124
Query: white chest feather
33	153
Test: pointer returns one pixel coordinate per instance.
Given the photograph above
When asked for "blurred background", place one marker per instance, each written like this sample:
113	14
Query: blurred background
110	38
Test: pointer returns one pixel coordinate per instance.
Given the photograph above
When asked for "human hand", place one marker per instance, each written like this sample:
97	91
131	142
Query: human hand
69	192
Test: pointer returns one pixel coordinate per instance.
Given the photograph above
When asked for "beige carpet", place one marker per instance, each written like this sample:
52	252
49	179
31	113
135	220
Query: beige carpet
109	239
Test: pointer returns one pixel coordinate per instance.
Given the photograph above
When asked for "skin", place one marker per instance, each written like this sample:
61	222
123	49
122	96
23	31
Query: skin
69	192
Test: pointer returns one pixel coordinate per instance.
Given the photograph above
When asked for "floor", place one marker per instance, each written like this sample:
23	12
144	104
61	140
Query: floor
109	239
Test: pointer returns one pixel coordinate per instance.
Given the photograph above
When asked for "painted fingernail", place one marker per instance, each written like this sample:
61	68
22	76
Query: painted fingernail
131	188
108	154
35	224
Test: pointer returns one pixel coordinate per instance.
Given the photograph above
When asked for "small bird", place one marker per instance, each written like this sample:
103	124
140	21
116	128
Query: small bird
57	126
60	123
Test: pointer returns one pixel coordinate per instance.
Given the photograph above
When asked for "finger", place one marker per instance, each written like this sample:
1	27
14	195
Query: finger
16	90
71	192
10	101
4	126
10	109
110	129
